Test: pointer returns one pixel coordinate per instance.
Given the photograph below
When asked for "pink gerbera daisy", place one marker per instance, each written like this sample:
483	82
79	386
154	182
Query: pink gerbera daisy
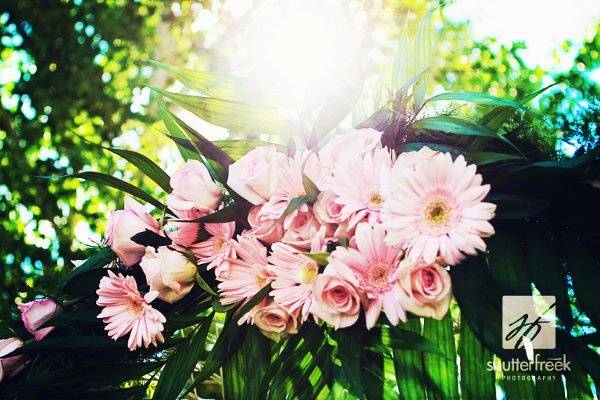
126	310
357	183
436	208
248	273
294	274
218	249
375	265
289	186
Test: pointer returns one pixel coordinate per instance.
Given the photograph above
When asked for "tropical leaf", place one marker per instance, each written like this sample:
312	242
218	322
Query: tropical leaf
476	380
181	363
146	165
507	264
176	132
100	259
441	372
294	204
584	270
237	117
408	366
237	148
457	126
349	352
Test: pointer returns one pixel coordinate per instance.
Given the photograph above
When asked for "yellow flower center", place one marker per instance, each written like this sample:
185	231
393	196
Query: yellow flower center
438	211
135	306
374	199
261	279
219	244
308	272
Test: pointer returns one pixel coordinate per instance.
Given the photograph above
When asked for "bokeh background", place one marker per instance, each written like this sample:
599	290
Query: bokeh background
76	73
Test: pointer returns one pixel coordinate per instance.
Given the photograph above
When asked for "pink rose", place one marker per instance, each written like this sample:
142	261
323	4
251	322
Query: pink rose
10	366
169	272
265	229
254	176
36	313
123	224
184	233
336	296
327	210
428	287
355	142
301	226
409	159
274	321
193	188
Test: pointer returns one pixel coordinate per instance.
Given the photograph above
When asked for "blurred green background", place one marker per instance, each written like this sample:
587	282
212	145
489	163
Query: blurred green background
74	73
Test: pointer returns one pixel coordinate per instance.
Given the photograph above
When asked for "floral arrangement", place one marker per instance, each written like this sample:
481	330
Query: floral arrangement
329	248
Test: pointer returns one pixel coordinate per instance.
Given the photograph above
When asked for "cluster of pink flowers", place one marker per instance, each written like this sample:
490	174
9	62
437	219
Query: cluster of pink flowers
388	224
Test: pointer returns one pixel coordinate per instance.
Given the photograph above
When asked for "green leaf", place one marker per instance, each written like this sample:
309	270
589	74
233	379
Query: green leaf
176	132
584	270
441	372
258	297
476	381
517	387
100	259
477	98
78	343
459	126
408	365
119	184
507	263
237	148
485	157
146	165
205	286
311	190
577	384
229	213
545	265
181	363
5	330
423	57
295	203
349	352
320	258
244	372
237	117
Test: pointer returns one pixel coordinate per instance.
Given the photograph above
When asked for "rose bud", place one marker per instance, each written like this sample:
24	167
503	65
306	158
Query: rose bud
123	225
36	313
193	188
266	230
274	321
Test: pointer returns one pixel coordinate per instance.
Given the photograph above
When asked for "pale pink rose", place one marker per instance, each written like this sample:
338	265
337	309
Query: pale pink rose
218	249
409	159
428	287
123	224
336	296
437	209
327	209
301	226
265	229
10	366
36	313
356	142
181	230
169	272
193	188
375	266
255	175
274	321
126	310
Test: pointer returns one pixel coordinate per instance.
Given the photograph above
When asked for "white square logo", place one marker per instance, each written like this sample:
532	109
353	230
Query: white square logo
528	319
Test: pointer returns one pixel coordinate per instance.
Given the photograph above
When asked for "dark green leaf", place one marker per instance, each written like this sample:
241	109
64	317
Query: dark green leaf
119	184
177	133
181	363
100	259
229	213
485	157
258	297
477	98
146	165
457	126
584	270
548	274
518	386
202	283
507	264
349	352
